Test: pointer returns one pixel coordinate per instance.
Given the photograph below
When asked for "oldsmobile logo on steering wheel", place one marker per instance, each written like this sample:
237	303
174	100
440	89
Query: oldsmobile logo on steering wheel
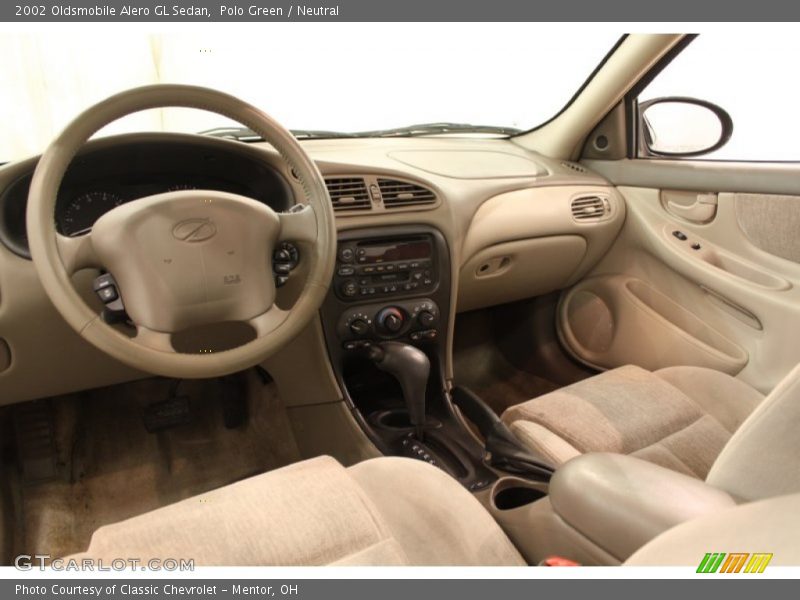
194	230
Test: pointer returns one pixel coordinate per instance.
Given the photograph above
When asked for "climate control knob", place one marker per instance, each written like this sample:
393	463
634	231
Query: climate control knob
390	319
426	318
359	327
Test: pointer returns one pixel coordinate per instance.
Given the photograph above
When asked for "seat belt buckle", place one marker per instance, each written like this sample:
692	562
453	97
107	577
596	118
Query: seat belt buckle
558	561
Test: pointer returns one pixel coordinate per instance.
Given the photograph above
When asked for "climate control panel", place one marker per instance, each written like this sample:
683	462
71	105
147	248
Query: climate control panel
414	321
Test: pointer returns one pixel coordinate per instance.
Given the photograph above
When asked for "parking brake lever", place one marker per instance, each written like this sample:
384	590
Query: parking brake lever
507	453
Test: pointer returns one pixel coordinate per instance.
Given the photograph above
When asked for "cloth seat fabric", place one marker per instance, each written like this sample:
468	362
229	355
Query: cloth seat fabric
678	417
384	511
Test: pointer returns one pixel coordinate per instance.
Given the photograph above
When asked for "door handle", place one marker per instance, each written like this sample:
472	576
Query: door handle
702	210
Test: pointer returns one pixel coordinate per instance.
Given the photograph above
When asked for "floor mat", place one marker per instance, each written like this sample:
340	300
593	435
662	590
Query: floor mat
516	387
480	365
110	468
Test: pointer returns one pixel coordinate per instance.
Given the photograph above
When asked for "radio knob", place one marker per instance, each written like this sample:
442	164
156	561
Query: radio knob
391	319
346	254
359	327
349	289
426	318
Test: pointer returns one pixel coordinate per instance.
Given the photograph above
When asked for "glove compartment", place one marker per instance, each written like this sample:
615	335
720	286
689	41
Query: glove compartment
530	242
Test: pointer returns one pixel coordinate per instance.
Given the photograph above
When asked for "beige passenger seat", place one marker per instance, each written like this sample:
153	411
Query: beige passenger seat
679	417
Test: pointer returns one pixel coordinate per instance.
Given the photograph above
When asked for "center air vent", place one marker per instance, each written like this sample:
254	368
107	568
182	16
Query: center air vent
400	193
590	208
348	193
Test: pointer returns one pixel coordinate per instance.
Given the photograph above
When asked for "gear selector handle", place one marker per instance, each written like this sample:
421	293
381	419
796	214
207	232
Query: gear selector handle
411	367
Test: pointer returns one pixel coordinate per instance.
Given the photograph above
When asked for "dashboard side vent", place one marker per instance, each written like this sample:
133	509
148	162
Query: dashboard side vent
401	193
590	208
574	167
348	193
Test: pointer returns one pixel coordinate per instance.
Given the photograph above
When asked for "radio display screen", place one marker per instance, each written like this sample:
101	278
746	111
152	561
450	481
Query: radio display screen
394	251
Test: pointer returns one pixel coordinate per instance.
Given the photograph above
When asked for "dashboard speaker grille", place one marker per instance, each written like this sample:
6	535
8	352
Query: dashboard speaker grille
401	193
348	193
573	167
590	208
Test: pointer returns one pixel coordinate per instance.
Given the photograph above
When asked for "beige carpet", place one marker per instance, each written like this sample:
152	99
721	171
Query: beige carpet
110	468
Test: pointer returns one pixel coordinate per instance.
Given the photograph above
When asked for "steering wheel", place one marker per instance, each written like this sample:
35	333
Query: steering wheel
185	258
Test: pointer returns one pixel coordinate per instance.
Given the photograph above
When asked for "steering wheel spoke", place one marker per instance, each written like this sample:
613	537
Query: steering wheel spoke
268	321
77	252
155	340
298	225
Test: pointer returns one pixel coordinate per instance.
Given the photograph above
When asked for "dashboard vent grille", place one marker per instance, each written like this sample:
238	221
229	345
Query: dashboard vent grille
574	167
348	193
590	208
401	193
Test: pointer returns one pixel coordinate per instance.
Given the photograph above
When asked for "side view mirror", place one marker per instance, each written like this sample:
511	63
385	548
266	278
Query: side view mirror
678	126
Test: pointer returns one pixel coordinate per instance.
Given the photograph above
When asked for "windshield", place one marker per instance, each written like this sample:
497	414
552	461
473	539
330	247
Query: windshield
319	78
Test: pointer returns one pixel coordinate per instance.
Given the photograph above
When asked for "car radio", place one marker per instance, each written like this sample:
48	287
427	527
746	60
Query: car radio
380	268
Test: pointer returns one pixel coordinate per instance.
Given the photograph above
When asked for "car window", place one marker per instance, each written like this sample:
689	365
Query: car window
740	77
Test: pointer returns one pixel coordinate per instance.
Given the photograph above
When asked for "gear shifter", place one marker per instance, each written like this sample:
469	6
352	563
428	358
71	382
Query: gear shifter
411	368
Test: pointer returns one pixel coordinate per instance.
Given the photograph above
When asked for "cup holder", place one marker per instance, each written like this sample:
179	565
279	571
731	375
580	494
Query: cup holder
512	492
394	419
397	419
514	497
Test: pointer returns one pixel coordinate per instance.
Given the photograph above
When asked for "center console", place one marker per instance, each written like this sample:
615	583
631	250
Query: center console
386	327
599	508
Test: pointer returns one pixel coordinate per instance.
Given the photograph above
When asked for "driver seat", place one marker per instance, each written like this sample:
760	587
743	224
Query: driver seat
384	511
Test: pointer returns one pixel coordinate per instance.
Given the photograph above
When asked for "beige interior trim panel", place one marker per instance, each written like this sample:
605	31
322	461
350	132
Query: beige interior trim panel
606	319
701	175
708	297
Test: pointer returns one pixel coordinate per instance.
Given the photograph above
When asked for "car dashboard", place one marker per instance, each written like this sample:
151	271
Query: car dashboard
502	221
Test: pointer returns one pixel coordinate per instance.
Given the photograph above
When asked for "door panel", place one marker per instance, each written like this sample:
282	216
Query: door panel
723	294
771	223
612	320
